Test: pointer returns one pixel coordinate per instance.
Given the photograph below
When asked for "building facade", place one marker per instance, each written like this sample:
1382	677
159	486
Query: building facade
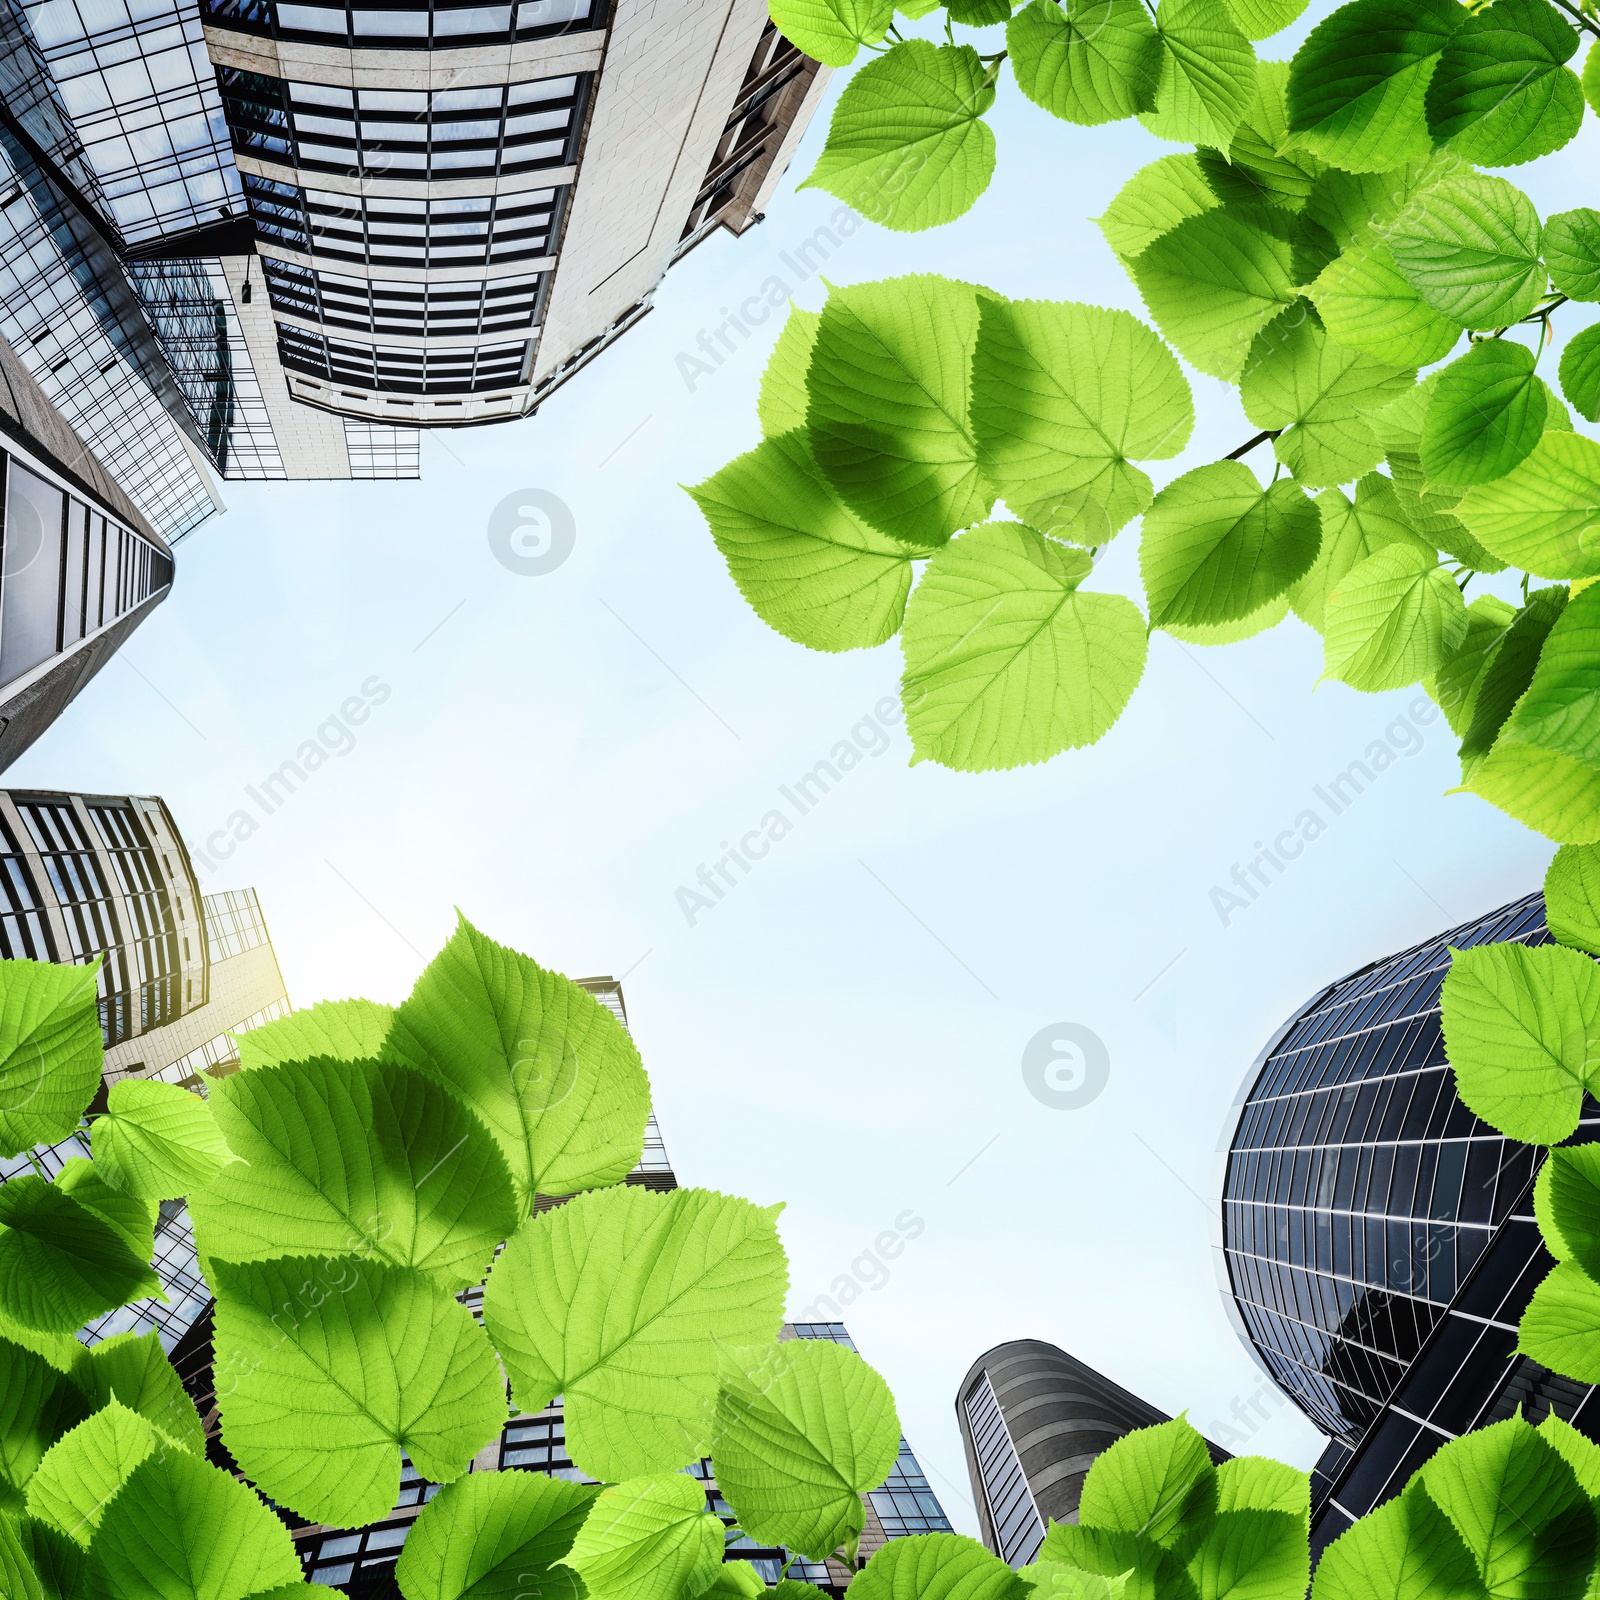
361	1561
1377	1243
108	876
81	567
270	240
1032	1420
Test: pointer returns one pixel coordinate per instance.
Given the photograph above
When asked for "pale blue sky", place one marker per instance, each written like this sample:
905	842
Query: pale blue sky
557	755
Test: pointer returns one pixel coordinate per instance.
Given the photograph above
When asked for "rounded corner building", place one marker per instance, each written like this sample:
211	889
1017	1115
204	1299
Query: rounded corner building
1378	1244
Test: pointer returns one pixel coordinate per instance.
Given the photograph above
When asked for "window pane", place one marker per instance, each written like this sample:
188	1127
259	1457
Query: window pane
72	584
30	589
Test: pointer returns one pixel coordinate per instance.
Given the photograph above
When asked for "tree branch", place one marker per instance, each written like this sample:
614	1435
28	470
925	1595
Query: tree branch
1250	444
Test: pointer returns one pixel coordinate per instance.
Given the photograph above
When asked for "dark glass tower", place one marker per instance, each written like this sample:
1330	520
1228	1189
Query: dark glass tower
1033	1419
1378	1244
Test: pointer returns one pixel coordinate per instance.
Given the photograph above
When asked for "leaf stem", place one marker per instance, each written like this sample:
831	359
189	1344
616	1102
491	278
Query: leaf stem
1579	18
1250	444
34	1160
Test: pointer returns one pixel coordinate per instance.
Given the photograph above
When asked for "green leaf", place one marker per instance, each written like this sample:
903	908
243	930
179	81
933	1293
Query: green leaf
132	1218
1088	62
1560	712
616	1300
157	1141
1572	251
1544	515
908	146
1591	78
489	1535
1470	247
1358	208
1257	1483
1313	392
808	566
1061	1581
337	1366
782	403
890	384
803	1430
978	13
18	1578
81	1473
1558	1328
550	1071
1217	546
1065	397
1215	280
1580	373
1252	1555
1432	513
1283	177
1207	77
1154	201
1550	792
133	1369
1218	633
1454	686
61	1566
1351	533
182	1530
50	1051
38	1404
936	1566
1500	94
341	1030
341	1157
1518	1508
832	31
1366	303
1569	1214
1572	898
1516	1033
1487	414
648	1538
62	1263
738	1580
1007	661
1578	1452
1507	671
1405	1549
1395	618
1358	83
1260	19
1143	1483
1153	1572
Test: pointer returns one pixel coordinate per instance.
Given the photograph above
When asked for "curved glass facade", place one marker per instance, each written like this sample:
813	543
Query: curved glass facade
1360	1192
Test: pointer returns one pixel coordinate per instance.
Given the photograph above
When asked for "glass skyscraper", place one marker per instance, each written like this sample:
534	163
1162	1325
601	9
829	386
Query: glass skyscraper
180	975
272	240
1032	1420
1378	1244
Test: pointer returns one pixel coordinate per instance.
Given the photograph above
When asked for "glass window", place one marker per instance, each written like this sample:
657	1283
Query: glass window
30	585
72	628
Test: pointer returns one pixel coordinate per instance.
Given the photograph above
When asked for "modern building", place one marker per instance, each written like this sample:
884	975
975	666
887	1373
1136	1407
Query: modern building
1033	1420
271	240
81	567
1377	1244
361	1561
88	875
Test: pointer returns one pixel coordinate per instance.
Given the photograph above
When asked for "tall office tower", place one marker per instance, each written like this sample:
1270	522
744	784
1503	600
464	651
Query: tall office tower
1377	1242
272	239
87	875
81	570
125	252
361	1561
1033	1419
459	205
